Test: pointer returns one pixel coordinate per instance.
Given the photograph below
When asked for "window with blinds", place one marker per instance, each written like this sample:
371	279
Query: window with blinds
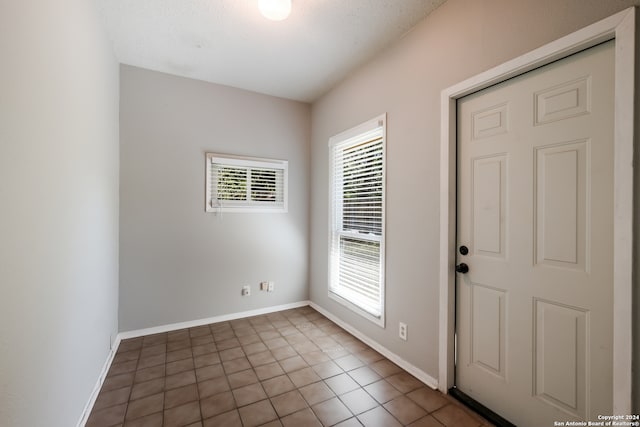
244	184
357	200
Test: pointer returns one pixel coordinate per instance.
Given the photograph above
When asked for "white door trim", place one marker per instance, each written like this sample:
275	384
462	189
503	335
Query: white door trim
620	27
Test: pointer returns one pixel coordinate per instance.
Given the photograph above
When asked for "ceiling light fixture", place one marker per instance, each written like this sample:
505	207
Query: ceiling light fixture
276	10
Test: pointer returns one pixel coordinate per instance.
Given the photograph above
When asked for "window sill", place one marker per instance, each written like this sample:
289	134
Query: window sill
380	321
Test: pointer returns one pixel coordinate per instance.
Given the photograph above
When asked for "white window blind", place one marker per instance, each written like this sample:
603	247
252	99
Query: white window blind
357	188
242	184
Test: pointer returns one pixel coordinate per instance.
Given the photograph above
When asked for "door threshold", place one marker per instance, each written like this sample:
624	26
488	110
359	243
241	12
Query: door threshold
479	408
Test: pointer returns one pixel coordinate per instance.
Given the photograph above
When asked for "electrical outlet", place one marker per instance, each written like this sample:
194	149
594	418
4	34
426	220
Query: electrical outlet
402	331
264	286
270	286
246	291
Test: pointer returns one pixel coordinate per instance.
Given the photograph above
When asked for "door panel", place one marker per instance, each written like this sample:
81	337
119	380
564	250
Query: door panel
488	328
535	207
488	207
561	211
560	369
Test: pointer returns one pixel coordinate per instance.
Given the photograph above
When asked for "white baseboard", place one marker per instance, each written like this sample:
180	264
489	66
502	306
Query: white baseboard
410	368
222	318
96	389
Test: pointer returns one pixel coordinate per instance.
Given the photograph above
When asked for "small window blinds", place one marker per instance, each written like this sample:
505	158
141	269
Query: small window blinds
243	184
357	201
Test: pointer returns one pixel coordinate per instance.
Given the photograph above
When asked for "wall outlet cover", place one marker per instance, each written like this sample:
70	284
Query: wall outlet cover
246	291
402	331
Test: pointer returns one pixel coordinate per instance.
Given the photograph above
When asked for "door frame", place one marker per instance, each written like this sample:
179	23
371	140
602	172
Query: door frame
622	28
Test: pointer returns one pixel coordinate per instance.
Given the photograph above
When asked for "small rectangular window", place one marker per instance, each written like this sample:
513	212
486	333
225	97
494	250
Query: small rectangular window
246	184
357	205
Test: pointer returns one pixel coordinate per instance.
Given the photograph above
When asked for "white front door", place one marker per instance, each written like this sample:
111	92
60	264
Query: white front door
535	210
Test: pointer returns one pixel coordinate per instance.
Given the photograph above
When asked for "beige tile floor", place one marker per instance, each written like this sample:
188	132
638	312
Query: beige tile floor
290	368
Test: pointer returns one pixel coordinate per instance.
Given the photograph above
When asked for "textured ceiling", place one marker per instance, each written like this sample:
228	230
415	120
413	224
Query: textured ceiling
230	43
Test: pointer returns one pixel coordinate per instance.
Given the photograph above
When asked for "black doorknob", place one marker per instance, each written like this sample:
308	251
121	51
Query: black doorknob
462	268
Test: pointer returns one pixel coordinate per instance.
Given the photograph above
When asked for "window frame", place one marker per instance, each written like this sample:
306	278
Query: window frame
352	137
245	206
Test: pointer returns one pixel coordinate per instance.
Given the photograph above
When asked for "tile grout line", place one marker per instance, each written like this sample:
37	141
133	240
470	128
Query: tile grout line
197	383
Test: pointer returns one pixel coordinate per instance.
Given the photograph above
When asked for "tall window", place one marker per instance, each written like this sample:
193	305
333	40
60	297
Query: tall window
357	196
243	184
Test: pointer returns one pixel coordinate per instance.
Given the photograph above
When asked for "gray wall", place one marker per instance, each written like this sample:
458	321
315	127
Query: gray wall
178	263
459	40
58	209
